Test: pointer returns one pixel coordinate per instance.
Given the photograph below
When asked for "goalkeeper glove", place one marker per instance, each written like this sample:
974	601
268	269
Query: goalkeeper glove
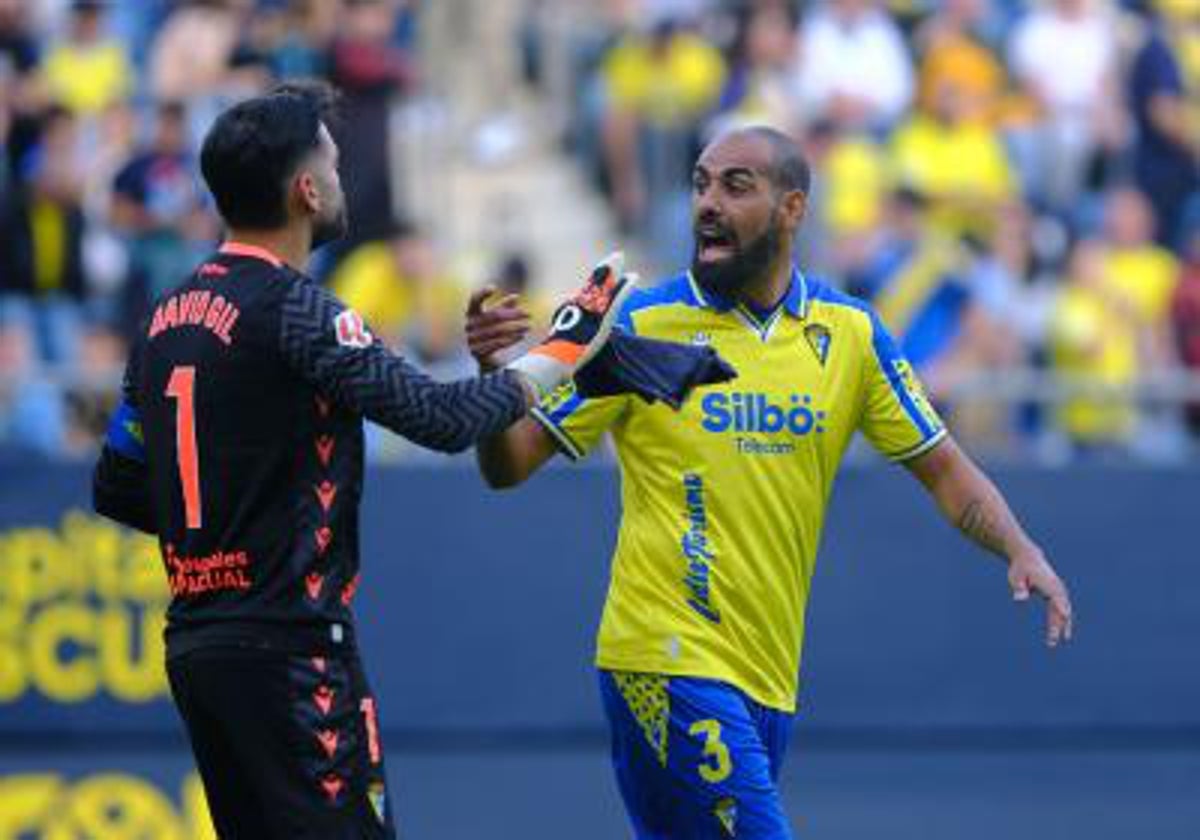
654	370
580	327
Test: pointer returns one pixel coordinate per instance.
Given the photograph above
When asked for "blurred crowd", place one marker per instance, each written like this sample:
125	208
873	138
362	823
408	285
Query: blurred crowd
103	106
1012	183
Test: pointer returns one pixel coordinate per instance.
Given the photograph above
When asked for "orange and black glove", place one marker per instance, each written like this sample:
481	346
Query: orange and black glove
580	327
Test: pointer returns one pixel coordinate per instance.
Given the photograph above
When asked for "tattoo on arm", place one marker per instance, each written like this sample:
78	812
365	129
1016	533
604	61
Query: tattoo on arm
978	523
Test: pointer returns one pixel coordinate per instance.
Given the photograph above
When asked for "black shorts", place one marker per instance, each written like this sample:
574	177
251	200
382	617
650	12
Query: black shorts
287	746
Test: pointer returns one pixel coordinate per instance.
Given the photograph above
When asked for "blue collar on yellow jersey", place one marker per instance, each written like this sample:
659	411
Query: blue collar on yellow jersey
795	303
795	300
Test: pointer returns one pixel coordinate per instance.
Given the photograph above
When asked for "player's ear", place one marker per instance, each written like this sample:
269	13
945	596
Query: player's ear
306	191
795	203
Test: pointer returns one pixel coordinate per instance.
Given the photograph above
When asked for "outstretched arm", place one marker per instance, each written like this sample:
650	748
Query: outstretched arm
511	456
330	347
507	459
969	500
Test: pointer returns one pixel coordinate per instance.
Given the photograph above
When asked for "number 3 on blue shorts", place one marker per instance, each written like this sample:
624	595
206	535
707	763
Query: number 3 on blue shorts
715	765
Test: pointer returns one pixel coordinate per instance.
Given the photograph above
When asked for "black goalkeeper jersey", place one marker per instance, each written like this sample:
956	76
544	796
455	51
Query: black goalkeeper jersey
250	382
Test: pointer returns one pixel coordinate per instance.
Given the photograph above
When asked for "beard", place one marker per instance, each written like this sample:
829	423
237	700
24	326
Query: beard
330	228
730	275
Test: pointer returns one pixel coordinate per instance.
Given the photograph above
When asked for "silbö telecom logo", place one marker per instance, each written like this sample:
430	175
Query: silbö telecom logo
697	550
749	413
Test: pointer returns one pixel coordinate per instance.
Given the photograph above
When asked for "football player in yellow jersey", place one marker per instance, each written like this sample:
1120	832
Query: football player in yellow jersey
723	502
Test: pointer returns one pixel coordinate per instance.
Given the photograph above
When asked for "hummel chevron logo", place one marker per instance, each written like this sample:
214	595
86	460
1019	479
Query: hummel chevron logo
329	741
313	583
325	449
323	536
326	491
323	698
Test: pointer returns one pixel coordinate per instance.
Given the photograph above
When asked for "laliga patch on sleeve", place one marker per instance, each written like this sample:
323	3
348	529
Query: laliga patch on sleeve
350	330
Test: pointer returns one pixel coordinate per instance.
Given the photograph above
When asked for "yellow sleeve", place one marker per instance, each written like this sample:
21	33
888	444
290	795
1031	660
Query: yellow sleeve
897	417
577	423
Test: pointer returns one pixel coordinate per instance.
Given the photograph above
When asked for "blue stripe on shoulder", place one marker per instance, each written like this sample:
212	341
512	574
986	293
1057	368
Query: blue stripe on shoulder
887	352
676	289
822	291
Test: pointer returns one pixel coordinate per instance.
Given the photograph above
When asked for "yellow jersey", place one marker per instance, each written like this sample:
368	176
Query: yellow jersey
89	79
1093	339
724	501
1146	276
668	85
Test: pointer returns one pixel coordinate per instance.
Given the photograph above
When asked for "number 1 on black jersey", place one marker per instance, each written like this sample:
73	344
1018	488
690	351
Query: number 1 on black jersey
182	386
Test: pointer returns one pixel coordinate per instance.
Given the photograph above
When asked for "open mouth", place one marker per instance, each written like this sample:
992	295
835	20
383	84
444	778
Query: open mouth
714	243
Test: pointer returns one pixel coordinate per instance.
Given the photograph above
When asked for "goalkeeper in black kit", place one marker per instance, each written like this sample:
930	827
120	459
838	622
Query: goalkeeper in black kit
239	443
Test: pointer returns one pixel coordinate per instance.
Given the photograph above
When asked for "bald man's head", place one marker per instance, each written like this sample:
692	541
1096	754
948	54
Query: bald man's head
749	193
788	169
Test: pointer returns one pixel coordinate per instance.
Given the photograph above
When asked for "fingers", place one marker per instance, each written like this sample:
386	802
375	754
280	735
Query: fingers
1058	622
498	318
486	352
492	321
615	302
1059	614
503	334
495	327
611	266
506	309
496	330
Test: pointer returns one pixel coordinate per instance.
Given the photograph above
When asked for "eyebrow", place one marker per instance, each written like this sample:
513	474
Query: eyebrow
729	172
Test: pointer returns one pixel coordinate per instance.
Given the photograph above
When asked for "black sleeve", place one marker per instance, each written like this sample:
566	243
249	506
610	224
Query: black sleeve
121	481
328	345
120	491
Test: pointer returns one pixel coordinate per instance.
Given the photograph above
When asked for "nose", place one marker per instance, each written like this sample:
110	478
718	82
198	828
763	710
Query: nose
707	208
705	203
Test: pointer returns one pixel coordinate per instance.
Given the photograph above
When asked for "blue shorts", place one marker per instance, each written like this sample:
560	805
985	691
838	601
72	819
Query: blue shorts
695	758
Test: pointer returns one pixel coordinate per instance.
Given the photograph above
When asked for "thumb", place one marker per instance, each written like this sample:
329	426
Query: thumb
1019	583
611	268
478	298
614	264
